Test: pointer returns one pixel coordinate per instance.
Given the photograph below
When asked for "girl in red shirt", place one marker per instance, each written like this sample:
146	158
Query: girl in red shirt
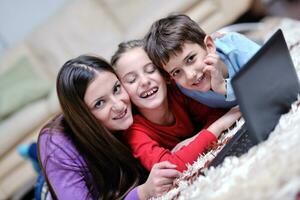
165	116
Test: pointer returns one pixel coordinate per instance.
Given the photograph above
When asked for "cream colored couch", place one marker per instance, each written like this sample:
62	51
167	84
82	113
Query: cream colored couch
23	125
86	27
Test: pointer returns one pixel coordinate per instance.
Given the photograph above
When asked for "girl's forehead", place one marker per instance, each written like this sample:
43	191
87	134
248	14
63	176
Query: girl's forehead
132	60
134	55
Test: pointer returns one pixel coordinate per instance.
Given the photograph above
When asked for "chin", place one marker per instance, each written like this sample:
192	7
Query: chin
128	124
154	104
124	126
202	89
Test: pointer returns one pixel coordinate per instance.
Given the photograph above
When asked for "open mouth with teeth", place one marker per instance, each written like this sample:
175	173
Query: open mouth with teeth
149	93
199	80
120	115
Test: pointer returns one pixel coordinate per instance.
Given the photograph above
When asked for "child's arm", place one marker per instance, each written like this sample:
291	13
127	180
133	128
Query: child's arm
241	50
216	68
149	151
183	143
217	71
245	49
225	121
217	127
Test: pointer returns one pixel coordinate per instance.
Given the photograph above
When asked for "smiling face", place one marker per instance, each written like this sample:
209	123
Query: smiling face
109	102
141	79
186	67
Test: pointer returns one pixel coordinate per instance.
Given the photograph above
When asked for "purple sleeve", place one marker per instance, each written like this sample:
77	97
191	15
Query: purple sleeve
63	165
132	195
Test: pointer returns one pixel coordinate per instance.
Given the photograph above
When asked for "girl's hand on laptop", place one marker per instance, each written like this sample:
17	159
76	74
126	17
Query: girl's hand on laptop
225	121
215	68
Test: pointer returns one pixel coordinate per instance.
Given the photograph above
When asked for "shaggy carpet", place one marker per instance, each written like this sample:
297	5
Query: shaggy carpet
269	170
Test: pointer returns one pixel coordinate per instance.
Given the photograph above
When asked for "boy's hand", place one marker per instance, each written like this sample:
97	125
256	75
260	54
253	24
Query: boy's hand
214	67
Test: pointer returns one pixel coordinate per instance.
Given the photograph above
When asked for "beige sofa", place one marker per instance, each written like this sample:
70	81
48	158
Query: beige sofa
22	125
84	27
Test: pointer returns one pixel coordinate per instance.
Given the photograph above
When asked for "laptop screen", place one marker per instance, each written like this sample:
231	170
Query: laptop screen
266	86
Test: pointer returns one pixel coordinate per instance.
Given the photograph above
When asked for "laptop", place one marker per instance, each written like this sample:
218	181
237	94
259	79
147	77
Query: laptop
264	88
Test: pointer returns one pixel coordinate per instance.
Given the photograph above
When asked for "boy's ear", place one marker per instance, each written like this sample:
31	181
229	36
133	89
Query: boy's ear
209	44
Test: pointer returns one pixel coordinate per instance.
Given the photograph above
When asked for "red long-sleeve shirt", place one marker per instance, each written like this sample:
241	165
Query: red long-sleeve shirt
152	143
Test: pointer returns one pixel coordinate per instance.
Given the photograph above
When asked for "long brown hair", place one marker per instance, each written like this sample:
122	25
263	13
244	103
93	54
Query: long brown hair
113	169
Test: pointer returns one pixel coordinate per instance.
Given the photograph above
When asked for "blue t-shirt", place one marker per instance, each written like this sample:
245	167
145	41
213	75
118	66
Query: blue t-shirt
234	50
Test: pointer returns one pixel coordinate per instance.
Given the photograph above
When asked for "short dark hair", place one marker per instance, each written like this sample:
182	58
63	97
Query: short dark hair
167	36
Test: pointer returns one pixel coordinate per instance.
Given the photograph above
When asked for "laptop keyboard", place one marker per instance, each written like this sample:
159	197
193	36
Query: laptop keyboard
243	144
239	144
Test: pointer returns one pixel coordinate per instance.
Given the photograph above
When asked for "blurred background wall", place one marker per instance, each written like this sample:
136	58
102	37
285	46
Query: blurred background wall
19	18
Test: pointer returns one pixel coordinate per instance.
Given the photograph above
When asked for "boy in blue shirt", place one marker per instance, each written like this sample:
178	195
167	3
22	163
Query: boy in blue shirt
202	67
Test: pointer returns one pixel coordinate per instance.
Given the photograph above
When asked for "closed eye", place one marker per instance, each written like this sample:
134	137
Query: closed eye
130	78
150	68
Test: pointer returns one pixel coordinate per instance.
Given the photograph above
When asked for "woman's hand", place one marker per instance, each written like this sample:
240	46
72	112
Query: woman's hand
225	121
159	180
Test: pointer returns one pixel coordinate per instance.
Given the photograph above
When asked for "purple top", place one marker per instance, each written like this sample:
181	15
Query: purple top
63	166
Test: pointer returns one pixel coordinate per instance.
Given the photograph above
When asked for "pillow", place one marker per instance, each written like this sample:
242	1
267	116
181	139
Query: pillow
19	86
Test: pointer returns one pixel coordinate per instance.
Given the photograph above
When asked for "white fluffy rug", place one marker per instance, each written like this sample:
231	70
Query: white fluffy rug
270	170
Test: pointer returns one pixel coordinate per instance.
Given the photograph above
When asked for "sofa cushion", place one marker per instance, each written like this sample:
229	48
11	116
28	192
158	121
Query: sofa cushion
19	86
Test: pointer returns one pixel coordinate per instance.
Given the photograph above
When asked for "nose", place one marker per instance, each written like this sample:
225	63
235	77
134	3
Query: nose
190	74
144	81
117	104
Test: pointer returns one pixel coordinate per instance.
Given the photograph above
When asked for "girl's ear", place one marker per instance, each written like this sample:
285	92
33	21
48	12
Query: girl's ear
209	44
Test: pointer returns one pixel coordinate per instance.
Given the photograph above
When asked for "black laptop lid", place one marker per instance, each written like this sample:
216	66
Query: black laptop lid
266	86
